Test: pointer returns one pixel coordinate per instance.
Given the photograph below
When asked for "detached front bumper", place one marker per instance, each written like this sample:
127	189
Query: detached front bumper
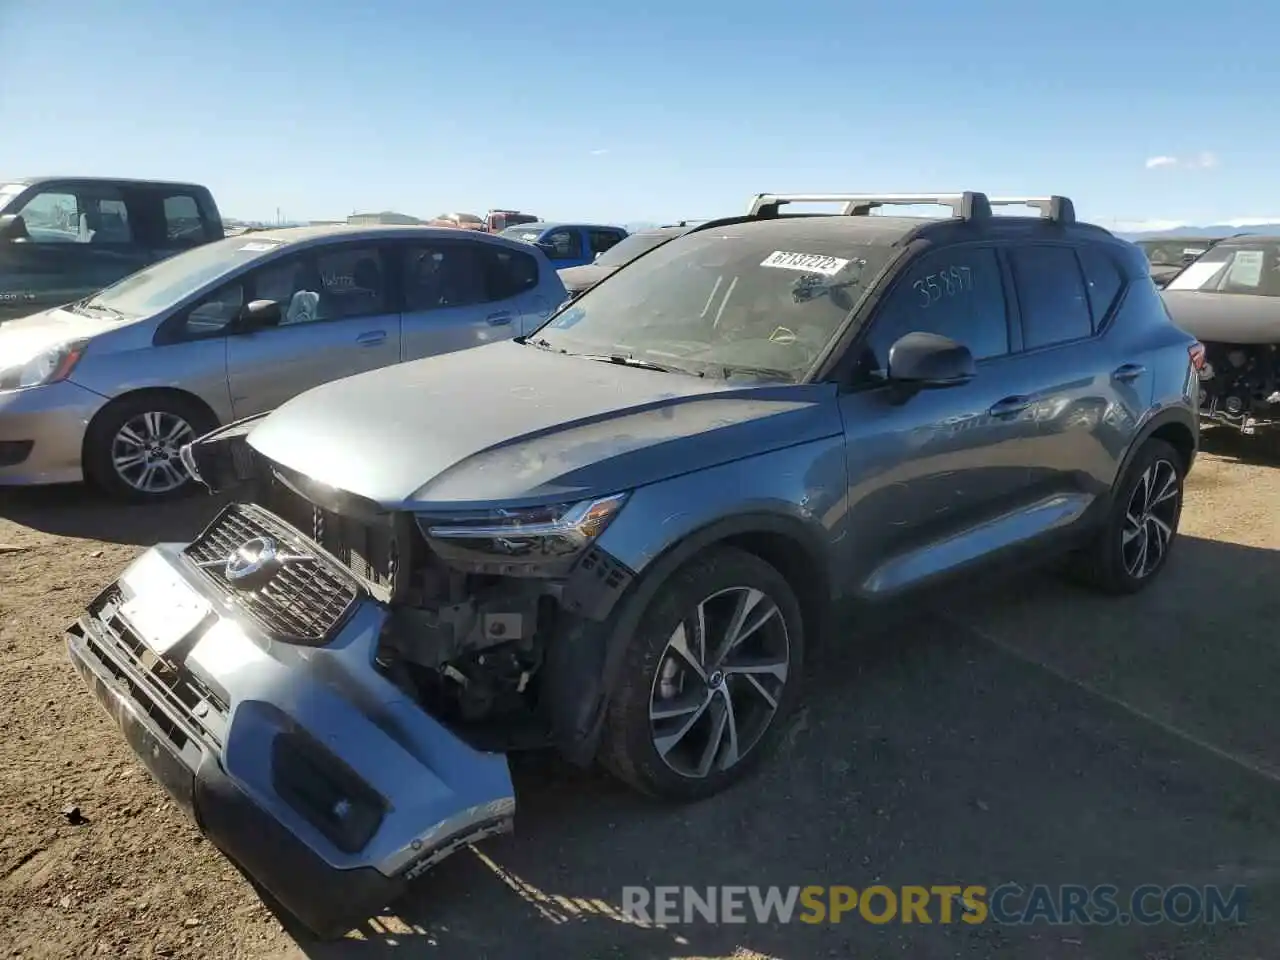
306	767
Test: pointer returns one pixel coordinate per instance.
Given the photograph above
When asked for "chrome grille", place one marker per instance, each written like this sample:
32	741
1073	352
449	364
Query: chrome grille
305	602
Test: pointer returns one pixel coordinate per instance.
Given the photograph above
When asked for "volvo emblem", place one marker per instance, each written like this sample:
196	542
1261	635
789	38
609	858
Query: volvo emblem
253	563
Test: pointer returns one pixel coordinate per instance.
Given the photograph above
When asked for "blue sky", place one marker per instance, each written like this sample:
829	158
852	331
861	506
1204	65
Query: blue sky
653	111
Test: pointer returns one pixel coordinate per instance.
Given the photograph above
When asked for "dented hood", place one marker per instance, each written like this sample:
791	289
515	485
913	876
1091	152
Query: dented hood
511	423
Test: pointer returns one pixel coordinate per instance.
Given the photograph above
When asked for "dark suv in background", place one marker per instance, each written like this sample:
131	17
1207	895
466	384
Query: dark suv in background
63	238
634	523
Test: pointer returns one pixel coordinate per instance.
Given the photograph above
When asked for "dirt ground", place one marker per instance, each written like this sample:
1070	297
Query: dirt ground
1036	733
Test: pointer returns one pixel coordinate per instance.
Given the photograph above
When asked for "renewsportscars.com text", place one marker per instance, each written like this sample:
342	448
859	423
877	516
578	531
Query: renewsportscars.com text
1009	904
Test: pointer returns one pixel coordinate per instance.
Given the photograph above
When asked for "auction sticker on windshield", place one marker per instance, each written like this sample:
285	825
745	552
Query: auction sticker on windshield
259	246
805	262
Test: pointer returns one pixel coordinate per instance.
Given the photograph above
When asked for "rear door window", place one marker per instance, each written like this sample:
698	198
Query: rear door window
1051	294
602	240
182	220
444	274
508	273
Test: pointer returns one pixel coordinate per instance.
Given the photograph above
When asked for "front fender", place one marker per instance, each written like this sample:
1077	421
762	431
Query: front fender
796	493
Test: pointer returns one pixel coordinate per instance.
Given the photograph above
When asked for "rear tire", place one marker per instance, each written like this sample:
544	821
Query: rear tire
691	717
131	447
1134	544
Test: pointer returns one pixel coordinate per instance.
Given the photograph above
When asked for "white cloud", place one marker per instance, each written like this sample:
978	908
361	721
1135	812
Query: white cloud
600	152
1201	161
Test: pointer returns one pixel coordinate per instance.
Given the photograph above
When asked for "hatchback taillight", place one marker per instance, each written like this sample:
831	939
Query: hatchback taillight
1196	352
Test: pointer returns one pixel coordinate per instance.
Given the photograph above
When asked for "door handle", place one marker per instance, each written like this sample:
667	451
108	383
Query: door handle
372	338
1009	406
1129	372
501	318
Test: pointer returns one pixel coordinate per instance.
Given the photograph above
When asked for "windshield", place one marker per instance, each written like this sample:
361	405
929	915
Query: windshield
624	251
1249	269
1172	253
521	233
722	303
176	278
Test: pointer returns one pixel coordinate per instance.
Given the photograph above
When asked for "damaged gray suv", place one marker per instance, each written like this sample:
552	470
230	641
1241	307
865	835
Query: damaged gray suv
622	534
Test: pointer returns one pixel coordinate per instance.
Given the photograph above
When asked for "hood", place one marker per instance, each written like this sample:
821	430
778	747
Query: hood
512	424
26	337
1163	273
577	279
1225	317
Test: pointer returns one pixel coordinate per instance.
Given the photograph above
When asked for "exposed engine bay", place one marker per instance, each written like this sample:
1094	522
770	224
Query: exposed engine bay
1240	385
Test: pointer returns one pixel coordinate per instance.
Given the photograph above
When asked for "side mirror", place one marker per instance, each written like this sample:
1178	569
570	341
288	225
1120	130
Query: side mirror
927	361
259	314
13	227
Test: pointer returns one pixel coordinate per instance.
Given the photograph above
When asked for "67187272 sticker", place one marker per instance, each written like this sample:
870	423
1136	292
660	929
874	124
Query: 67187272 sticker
805	262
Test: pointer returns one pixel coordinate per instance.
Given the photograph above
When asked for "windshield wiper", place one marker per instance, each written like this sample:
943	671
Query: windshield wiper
730	370
541	343
624	360
87	304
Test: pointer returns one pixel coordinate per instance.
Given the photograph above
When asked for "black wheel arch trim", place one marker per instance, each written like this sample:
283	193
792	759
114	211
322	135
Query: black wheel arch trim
584	663
1170	416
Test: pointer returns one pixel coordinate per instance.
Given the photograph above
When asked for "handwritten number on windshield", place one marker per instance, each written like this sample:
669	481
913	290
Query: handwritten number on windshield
947	282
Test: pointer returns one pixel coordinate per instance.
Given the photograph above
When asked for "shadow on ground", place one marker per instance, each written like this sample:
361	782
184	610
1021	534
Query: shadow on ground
78	510
929	755
1262	449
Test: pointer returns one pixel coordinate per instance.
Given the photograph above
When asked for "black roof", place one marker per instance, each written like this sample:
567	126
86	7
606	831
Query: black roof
133	181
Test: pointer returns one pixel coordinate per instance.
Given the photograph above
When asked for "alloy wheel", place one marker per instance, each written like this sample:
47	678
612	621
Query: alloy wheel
719	681
1149	520
145	452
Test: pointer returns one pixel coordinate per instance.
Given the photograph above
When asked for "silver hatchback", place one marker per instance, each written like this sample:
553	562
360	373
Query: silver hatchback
110	388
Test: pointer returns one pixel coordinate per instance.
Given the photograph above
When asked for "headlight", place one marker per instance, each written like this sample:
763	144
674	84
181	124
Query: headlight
528	541
48	367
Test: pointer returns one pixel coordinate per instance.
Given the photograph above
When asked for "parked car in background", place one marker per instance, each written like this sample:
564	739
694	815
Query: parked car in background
459	221
568	244
63	238
498	220
1229	299
629	549
578	280
1168	255
111	386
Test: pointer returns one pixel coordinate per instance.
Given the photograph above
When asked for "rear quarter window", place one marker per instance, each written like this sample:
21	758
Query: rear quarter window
1103	281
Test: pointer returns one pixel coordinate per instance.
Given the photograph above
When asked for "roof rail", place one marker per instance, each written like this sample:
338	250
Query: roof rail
1055	209
966	206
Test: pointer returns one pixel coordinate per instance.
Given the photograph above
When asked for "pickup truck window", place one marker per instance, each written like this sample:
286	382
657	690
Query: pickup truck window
182	218
59	216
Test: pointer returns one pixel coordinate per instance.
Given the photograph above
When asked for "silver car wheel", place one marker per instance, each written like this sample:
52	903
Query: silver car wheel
719	681
1150	519
144	452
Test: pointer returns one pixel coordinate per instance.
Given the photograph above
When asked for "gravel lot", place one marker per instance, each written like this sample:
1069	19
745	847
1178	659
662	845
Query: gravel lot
1037	733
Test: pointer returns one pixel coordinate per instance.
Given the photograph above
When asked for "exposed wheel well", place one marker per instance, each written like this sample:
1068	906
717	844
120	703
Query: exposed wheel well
797	564
169	392
1180	437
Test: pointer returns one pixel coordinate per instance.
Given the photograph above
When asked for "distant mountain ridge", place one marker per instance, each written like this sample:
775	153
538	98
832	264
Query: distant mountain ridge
1218	230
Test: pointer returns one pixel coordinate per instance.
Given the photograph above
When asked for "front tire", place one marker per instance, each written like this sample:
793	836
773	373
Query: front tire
131	448
1138	536
709	676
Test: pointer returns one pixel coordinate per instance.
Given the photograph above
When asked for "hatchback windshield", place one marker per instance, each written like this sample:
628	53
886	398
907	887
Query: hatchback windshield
176	278
1252	268
624	251
723	303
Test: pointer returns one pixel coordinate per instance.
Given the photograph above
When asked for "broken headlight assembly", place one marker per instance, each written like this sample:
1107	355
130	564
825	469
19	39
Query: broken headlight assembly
540	541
